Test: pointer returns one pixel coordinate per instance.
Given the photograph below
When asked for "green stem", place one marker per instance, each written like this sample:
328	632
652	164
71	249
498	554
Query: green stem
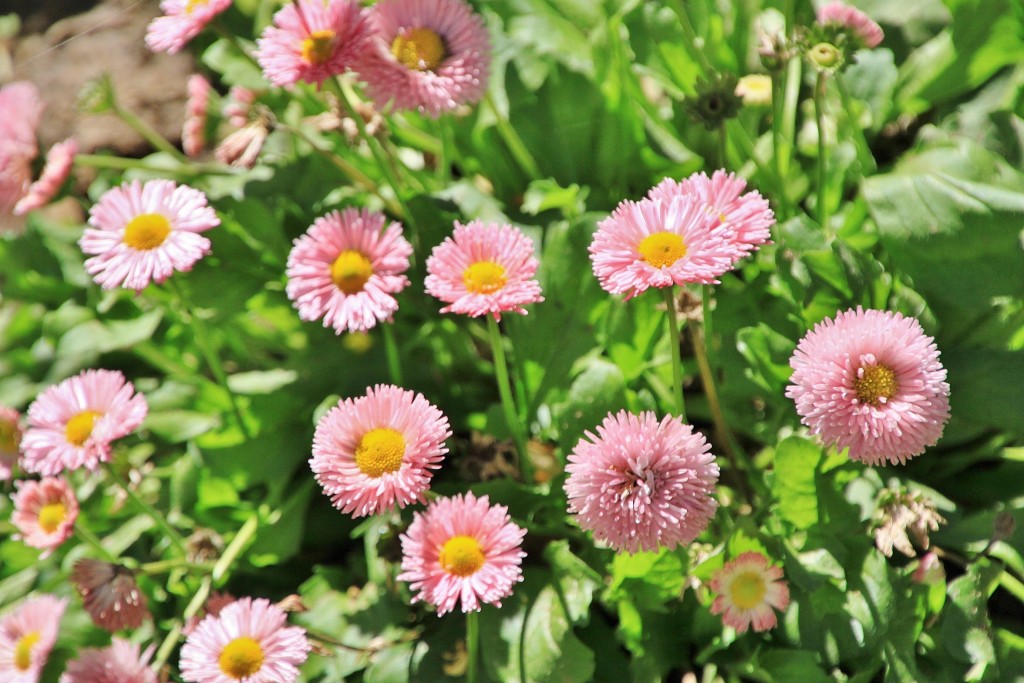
1011	584
151	135
777	143
864	156
391	349
790	103
92	541
514	143
472	645
723	146
172	534
165	566
819	116
192	609
515	426
690	39
235	548
672	320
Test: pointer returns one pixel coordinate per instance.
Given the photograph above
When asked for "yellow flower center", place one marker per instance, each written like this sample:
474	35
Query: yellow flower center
79	427
350	271
241	658
318	47
420	49
8	442
191	5
662	249
146	231
484	277
50	516
748	590
380	451
875	383
461	555
23	650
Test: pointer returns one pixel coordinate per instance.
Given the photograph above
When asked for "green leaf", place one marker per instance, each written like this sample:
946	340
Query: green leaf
261	381
576	581
793	485
554	653
784	664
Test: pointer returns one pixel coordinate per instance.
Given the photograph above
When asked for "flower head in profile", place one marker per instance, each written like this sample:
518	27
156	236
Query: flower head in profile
248	641
903	520
462	551
120	662
871	381
842	17
26	637
379	450
182	21
44	513
72	424
482	269
749	589
347	268
143	232
193	132
313	40
640	484
10	441
110	594
20	110
430	55
56	170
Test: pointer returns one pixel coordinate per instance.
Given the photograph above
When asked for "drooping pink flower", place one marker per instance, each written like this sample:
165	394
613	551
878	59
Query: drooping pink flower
59	160
143	232
868	33
10	441
484	268
110	594
430	55
182	21
347	268
248	641
72	424
238	104
193	132
26	637
379	450
462	551
120	662
748	589
20	110
312	41
640	484
44	513
242	148
871	381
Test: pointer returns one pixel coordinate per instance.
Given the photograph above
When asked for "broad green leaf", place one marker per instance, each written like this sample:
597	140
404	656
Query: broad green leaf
794	485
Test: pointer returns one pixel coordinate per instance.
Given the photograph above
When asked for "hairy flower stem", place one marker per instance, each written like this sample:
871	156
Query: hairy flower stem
819	115
472	646
514	143
150	134
391	349
672	320
778	146
515	426
161	522
163	653
690	40
90	539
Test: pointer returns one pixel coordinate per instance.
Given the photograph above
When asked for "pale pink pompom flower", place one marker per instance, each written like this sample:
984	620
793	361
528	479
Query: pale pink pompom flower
462	551
120	662
749	590
10	441
144	232
871	381
248	641
27	636
44	513
72	424
868	33
379	450
182	21
312	41
193	132
347	268
110	594
640	484
484	269
59	160
430	55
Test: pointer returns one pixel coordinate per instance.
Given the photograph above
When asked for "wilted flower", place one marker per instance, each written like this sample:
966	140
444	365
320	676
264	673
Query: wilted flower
44	513
903	516
26	637
748	589
182	21
10	441
110	594
121	662
716	100
242	148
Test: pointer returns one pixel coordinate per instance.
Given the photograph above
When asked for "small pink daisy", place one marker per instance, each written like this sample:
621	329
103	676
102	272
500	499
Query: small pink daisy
193	132
59	160
10	441
121	662
142	233
748	588
868	33
462	549
72	424
871	381
484	268
431	55
183	20
378	450
249	642
110	594
26	637
44	513
346	269
312	41
640	484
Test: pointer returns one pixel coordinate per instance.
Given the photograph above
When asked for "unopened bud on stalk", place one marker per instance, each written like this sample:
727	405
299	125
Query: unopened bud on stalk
825	56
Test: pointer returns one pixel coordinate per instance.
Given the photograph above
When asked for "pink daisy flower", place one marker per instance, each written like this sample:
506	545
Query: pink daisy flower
748	588
871	381
431	55
110	594
484	268
641	484
10	441
26	637
59	160
44	513
248	641
346	269
378	450
142	233
312	41
72	424
193	132
183	20
864	29
121	662
462	549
